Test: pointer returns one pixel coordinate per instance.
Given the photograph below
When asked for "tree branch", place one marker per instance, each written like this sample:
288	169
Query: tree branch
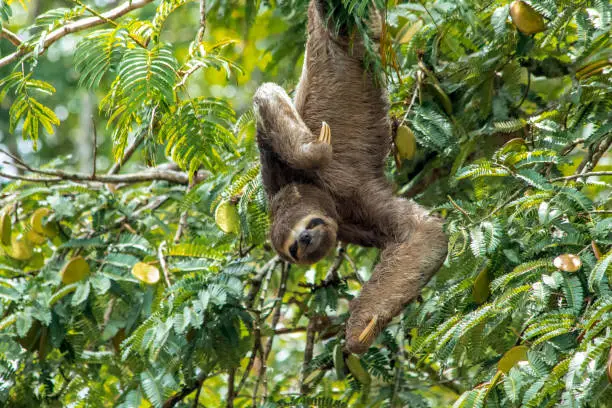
179	396
78	25
154	174
11	36
576	176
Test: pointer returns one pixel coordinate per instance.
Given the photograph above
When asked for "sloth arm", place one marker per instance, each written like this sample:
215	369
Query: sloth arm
281	128
408	261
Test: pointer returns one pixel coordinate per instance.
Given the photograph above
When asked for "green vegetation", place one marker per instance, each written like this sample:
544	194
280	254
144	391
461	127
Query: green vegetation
150	282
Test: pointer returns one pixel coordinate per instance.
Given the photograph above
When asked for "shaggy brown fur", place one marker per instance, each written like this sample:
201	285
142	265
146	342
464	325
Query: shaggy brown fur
339	188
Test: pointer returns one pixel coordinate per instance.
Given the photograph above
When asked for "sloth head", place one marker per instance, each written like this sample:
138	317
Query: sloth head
304	223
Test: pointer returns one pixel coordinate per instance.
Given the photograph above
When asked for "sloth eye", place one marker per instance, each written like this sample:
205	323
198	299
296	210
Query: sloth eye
293	250
314	222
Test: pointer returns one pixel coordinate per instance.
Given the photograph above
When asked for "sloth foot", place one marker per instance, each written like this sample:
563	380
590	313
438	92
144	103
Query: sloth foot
325	136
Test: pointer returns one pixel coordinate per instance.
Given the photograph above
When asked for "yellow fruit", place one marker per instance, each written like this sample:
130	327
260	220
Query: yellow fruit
568	262
75	270
20	248
525	18
35	238
5	227
480	289
226	217
36	221
405	142
145	273
512	356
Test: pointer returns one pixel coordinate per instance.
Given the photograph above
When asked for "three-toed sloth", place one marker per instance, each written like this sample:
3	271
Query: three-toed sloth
322	163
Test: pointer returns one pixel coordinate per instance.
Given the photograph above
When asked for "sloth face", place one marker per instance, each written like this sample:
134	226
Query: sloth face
309	240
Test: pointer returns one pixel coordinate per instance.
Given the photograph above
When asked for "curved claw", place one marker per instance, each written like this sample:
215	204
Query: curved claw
367	335
325	136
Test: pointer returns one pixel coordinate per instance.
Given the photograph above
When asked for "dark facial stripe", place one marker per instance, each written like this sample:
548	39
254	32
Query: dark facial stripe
293	249
314	222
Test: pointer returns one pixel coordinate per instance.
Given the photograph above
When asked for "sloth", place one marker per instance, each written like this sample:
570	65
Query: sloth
322	166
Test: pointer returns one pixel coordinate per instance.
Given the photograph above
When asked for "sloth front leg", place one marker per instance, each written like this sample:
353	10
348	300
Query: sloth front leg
281	128
404	269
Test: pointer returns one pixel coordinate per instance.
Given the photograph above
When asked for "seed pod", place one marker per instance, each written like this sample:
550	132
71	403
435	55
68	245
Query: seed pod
5	227
355	367
512	356
339	362
525	18
75	270
226	217
146	273
480	289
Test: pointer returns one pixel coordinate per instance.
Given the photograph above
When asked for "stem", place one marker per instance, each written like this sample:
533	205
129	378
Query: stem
76	26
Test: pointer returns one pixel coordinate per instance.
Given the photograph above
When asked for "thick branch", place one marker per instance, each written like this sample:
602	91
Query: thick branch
79	25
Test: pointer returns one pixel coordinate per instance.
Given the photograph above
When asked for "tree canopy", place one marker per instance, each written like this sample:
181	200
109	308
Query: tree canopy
135	268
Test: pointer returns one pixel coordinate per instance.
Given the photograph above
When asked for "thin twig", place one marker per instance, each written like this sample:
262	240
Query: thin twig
11	36
282	288
183	219
202	29
76	26
308	352
518	105
459	208
127	154
231	393
188	389
256	286
332	274
162	263
95	146
590	174
289	330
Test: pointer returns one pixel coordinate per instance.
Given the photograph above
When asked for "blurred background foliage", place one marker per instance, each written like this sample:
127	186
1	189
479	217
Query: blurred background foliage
135	269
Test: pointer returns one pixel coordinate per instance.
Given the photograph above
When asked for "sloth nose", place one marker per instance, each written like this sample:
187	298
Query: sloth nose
305	237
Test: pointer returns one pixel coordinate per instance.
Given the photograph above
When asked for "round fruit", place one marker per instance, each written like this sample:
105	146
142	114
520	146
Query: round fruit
512	356
20	248
75	270
146	273
405	142
525	18
226	217
37	222
35	238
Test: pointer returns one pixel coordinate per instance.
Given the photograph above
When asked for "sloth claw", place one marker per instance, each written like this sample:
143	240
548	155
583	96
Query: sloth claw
325	136
368	333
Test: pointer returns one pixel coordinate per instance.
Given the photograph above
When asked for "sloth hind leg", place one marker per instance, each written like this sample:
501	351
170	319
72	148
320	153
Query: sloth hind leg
280	126
405	267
